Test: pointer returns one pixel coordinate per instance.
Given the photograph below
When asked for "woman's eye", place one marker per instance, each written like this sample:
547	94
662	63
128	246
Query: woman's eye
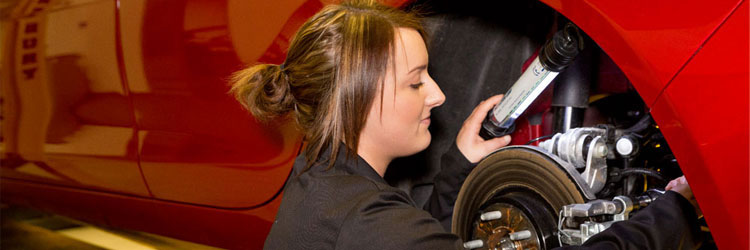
416	85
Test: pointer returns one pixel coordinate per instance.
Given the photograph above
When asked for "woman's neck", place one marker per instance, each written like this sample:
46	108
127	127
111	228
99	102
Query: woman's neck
377	160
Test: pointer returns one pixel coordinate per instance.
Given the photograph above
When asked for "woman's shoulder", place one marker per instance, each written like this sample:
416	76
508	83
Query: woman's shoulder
345	182
389	219
352	188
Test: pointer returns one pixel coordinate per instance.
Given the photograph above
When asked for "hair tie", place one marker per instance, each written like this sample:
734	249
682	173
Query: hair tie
282	66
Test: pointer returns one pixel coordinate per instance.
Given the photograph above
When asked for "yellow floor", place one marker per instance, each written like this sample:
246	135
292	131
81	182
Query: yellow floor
24	228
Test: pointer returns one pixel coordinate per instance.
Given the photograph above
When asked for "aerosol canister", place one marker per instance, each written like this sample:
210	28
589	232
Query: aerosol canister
556	54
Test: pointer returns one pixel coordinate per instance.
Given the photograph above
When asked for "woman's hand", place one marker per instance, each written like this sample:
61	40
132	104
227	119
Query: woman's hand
680	185
473	147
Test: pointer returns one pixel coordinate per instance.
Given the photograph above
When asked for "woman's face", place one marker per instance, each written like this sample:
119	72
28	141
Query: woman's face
399	128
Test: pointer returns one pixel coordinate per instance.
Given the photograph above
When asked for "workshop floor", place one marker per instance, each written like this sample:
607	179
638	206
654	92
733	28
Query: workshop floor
23	228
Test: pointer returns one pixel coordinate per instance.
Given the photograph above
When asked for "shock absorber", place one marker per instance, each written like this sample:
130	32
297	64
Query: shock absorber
570	96
556	54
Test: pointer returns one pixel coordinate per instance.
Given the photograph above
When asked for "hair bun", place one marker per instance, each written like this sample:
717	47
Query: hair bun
263	90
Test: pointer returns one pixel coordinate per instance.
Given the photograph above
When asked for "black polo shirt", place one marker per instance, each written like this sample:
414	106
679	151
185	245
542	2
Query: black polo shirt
351	207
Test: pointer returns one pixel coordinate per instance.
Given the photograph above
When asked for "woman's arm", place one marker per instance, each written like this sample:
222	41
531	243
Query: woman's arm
457	163
668	223
388	219
447	183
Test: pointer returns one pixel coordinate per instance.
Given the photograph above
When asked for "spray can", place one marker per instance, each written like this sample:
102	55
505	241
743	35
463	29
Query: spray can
556	54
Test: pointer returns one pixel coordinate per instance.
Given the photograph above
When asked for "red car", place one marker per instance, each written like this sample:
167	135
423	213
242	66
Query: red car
117	112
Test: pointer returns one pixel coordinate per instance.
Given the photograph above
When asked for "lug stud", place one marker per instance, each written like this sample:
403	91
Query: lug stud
520	235
493	215
473	244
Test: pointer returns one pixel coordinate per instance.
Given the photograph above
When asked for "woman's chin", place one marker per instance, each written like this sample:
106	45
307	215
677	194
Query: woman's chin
416	144
425	142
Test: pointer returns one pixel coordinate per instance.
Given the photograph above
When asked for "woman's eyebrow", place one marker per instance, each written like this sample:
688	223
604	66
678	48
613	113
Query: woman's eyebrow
420	67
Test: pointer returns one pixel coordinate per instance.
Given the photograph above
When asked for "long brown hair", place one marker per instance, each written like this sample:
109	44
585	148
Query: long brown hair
335	64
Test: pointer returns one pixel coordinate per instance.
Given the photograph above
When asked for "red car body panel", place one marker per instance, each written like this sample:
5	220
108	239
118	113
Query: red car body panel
649	41
191	133
698	57
126	120
64	98
704	115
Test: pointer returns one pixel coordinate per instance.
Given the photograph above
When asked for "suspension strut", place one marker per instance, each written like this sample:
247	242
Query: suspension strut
556	54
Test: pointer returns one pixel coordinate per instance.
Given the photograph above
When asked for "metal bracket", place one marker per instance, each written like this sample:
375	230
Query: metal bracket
579	149
620	207
596	165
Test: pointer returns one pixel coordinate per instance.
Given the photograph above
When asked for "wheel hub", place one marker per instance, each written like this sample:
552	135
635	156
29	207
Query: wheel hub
527	186
513	220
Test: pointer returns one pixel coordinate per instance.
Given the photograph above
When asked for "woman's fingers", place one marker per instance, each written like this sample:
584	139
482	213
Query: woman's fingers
681	186
495	143
473	147
674	183
682	180
480	112
670	185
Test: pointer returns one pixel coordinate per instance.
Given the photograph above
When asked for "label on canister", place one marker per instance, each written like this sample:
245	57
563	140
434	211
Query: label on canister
526	89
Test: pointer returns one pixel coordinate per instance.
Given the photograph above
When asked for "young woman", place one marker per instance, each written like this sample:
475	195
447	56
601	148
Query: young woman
355	80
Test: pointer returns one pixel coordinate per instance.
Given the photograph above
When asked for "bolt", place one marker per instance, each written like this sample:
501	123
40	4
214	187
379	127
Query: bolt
473	244
601	151
507	244
494	215
520	235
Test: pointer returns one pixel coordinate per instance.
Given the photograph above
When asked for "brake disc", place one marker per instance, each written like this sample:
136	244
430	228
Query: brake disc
527	186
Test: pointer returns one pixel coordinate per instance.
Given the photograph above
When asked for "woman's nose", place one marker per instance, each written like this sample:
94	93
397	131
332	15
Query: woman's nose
435	97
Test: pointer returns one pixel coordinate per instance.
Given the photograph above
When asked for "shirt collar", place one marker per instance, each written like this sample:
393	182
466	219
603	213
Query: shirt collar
354	165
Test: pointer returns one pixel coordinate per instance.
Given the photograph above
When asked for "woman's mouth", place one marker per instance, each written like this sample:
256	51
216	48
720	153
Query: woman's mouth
426	121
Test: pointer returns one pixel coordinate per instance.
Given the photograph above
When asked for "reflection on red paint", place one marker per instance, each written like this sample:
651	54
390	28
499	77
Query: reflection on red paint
197	145
165	149
68	120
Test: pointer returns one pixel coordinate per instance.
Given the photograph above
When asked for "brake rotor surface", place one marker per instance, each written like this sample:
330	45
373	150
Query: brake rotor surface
528	186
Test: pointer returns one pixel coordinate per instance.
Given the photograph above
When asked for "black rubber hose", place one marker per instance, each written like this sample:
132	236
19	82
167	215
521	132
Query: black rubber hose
639	126
636	171
539	139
